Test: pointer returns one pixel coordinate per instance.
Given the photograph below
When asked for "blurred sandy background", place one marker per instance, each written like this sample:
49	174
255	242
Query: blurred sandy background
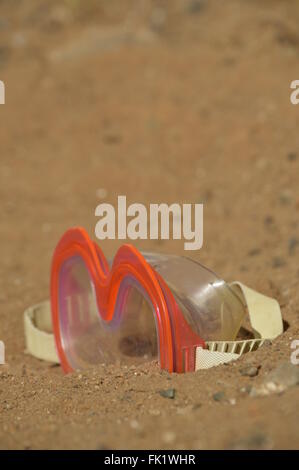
163	101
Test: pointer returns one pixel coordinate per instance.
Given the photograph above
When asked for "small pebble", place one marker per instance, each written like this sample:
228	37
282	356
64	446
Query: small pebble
268	220
278	262
243	268
284	376
219	396
292	156
111	138
195	6
246	389
249	371
292	245
286	196
255	441
168	393
254	252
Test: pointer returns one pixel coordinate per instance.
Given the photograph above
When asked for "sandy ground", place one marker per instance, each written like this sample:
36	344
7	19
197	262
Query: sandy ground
169	101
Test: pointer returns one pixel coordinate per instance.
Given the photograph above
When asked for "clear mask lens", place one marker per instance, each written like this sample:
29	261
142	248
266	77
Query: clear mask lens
129	338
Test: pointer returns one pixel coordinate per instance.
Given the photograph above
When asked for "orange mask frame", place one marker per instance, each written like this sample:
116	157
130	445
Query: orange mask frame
177	341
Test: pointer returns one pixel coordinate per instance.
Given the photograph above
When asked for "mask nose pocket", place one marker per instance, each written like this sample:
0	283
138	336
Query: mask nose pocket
137	332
